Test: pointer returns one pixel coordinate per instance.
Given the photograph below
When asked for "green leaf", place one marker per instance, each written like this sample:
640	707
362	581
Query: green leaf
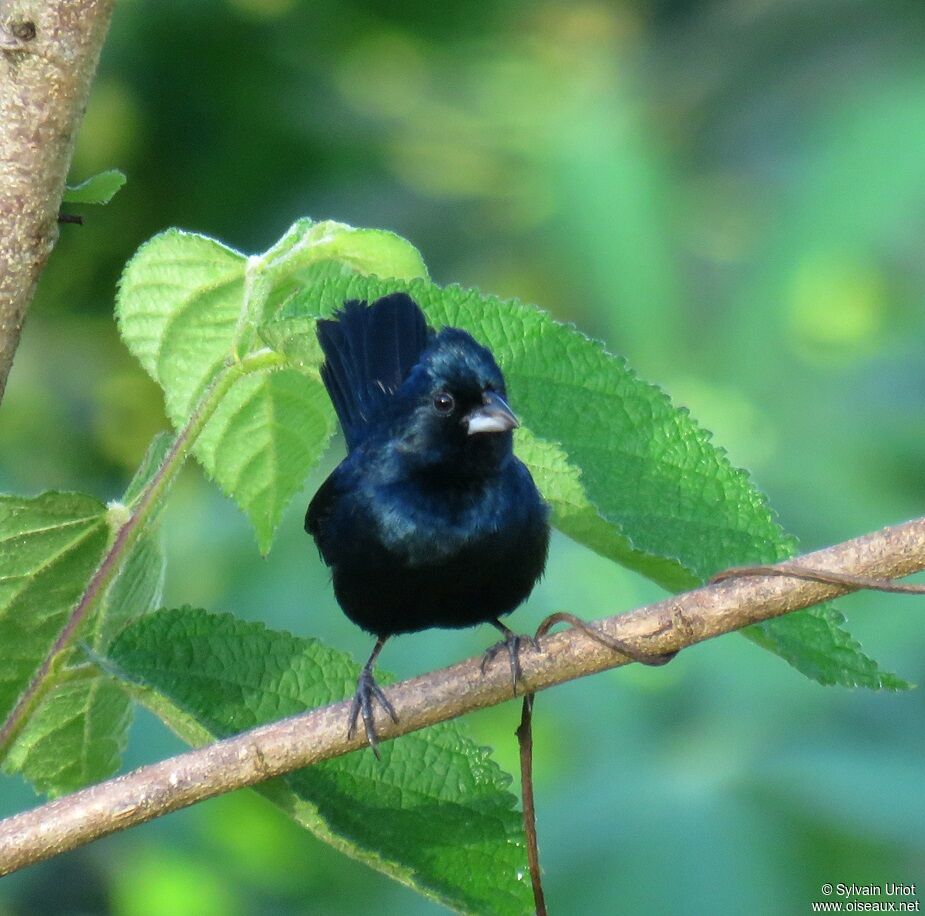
49	547
575	515
269	430
364	251
79	730
76	734
436	813
295	338
625	471
178	305
154	457
100	189
188	305
135	591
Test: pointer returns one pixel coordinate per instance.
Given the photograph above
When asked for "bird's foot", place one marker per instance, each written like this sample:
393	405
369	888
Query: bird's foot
367	692
512	642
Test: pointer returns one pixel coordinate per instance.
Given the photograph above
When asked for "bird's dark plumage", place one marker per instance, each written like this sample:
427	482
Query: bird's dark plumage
368	353
430	520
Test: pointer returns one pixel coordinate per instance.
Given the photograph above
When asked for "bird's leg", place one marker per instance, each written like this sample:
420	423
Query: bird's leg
512	642
367	691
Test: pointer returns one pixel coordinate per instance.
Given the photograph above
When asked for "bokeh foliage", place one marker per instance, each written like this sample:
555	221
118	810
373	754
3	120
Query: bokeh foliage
731	197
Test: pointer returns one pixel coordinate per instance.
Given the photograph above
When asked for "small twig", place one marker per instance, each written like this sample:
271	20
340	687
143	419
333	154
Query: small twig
74	218
820	575
281	747
525	736
525	742
617	645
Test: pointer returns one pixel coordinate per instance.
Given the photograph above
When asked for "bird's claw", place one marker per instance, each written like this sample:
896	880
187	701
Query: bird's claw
367	692
512	642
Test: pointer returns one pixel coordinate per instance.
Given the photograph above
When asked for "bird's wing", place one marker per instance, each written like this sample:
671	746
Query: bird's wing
369	352
319	509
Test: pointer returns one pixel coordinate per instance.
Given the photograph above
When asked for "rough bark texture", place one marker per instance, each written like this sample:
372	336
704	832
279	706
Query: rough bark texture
281	747
48	54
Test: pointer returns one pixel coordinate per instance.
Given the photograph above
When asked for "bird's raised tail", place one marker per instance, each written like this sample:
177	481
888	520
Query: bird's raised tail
369	351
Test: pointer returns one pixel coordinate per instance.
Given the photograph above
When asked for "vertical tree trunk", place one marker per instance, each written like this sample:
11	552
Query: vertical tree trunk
48	54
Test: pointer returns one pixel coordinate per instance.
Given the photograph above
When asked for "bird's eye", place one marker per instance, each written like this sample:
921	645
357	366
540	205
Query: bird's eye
443	402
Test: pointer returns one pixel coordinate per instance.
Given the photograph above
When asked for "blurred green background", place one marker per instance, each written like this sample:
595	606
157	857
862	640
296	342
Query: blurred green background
731	194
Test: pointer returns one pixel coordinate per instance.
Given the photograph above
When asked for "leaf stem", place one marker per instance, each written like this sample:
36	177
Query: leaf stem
146	506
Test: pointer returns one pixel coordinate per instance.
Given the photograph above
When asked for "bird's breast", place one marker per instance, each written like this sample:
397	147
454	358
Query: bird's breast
422	525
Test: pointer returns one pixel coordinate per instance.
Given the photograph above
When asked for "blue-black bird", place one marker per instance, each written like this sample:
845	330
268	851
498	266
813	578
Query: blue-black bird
430	520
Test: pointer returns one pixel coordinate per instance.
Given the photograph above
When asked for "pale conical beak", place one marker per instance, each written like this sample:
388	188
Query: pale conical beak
494	416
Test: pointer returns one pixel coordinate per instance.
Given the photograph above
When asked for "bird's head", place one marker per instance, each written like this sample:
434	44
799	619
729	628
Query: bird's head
453	408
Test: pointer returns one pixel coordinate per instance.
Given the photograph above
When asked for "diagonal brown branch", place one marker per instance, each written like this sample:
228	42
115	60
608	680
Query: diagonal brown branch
280	747
48	54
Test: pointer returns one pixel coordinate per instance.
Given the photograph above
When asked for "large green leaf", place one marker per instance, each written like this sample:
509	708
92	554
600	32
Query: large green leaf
625	471
188	305
49	546
75	736
435	814
560	482
77	732
179	301
268	431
